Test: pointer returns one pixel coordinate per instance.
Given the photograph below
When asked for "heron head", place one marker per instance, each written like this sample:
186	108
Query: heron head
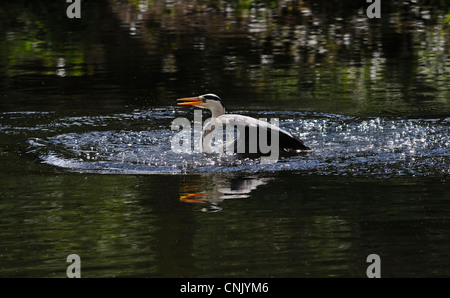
207	101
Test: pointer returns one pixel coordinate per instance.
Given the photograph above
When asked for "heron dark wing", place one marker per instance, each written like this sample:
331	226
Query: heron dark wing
289	142
286	141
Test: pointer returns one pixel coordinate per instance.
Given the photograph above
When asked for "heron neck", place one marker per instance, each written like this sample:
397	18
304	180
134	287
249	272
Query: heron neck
217	111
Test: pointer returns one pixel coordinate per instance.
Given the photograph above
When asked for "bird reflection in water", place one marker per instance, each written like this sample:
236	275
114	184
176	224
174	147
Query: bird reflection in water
214	190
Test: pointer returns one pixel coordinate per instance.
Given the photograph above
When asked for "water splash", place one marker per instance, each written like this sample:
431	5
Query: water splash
342	145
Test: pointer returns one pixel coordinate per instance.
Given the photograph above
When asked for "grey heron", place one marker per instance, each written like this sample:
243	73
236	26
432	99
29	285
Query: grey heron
287	142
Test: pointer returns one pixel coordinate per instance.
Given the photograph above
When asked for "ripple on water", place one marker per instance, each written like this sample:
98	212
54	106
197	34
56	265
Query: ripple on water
342	145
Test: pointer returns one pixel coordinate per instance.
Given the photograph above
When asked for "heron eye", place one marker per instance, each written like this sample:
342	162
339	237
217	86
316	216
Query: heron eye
204	99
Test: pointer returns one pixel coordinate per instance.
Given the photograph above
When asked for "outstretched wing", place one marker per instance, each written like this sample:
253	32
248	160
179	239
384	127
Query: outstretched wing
287	141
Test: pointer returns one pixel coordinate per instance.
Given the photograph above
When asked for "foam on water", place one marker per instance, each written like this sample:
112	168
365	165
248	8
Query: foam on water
139	143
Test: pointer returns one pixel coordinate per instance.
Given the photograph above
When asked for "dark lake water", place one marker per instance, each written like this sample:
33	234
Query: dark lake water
86	108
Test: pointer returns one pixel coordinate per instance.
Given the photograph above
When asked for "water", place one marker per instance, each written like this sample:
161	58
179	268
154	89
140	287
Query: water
86	108
342	145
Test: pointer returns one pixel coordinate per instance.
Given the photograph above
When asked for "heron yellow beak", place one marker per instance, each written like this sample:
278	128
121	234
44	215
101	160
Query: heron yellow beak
191	198
193	101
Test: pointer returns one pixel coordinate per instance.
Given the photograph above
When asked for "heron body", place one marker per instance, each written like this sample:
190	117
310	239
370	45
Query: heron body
251	132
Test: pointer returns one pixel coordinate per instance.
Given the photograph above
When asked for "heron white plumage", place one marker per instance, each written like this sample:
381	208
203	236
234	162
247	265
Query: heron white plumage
287	142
